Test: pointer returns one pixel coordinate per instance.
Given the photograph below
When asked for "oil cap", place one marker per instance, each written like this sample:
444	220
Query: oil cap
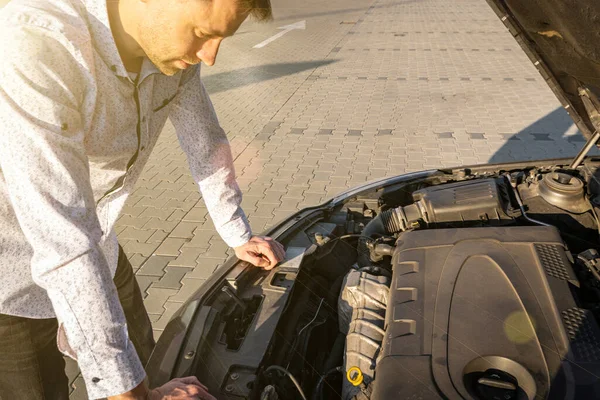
497	385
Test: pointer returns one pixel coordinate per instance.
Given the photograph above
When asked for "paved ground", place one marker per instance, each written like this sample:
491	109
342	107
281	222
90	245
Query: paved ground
370	89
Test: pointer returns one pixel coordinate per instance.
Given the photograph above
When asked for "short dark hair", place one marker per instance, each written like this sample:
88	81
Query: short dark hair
259	9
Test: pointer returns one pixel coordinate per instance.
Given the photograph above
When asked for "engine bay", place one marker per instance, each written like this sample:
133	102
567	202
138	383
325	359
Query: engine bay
462	285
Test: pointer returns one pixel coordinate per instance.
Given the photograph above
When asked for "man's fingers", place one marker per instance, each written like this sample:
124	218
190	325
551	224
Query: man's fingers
256	259
192	380
267	250
261	251
275	247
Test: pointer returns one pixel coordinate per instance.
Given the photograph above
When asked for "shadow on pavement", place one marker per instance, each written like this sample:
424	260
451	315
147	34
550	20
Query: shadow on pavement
545	138
222	81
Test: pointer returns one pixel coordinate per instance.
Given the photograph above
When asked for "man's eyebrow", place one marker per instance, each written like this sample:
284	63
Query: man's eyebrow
213	35
226	33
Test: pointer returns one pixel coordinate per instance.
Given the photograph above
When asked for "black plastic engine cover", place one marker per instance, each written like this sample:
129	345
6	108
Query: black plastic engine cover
486	313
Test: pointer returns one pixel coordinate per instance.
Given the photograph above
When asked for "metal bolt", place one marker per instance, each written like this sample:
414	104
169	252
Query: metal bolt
227	290
235	376
189	355
229	388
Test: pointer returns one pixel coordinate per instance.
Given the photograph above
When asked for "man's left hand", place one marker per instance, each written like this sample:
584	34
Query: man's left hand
261	251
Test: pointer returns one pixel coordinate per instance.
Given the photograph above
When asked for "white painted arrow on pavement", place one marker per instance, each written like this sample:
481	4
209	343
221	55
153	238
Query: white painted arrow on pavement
286	29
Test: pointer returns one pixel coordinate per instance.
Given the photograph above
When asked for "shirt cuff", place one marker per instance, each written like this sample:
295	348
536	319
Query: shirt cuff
115	375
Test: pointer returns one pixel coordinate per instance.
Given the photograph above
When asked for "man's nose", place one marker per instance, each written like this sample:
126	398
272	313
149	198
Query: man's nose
208	51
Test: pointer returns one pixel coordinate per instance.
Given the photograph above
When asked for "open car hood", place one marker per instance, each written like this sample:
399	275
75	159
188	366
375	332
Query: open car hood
562	39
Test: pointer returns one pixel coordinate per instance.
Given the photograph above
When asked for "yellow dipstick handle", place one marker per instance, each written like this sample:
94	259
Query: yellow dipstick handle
355	376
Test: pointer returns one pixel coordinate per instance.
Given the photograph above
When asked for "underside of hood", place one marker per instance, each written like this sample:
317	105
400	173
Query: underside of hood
562	38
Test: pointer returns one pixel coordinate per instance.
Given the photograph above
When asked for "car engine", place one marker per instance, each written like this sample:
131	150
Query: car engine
485	287
476	284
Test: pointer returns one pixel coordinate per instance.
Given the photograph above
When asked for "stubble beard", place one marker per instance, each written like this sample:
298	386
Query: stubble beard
151	44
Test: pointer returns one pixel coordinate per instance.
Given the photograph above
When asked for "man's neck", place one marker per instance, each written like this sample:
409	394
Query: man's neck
121	25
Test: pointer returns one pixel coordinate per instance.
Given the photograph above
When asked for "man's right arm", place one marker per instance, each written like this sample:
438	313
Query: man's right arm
44	164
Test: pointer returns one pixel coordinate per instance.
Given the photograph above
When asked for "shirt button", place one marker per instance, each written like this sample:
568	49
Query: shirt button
113	68
143	148
95	380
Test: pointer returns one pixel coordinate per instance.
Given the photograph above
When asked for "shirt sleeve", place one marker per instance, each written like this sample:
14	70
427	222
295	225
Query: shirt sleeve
209	156
46	170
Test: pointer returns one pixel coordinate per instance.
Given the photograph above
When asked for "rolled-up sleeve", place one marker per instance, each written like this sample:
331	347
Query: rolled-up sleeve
210	159
44	163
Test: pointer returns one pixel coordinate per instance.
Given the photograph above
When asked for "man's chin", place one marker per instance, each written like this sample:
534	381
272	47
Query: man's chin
166	67
168	70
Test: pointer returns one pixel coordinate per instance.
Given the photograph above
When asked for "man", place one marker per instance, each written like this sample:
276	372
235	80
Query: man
85	89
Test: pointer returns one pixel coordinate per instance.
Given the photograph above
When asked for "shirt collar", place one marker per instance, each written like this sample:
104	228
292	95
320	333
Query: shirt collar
99	23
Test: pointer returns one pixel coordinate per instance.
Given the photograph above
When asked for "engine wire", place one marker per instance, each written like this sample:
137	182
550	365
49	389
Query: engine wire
289	374
352	235
305	326
317	395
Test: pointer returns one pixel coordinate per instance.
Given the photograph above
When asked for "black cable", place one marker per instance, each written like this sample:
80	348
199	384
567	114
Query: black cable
319	388
289	374
352	235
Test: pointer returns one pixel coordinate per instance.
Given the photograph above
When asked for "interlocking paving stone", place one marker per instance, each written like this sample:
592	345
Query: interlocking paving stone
136	234
542	137
170	307
144	283
160	224
172	278
576	139
79	389
156	299
128	220
218	249
189	287
154	266
145	249
205	268
188	256
158	236
445	135
184	230
196	214
160	213
154	317
477	136
137	260
170	246
72	370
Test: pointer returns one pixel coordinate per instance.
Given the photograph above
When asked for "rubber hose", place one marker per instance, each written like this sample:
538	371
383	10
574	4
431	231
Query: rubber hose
375	226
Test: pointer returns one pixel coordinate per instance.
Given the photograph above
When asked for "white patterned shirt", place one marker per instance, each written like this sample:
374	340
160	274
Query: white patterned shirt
75	133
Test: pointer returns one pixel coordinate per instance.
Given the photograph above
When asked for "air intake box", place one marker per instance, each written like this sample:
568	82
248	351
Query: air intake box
481	200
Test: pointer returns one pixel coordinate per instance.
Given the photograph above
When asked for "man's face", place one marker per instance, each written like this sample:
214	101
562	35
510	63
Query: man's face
177	33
